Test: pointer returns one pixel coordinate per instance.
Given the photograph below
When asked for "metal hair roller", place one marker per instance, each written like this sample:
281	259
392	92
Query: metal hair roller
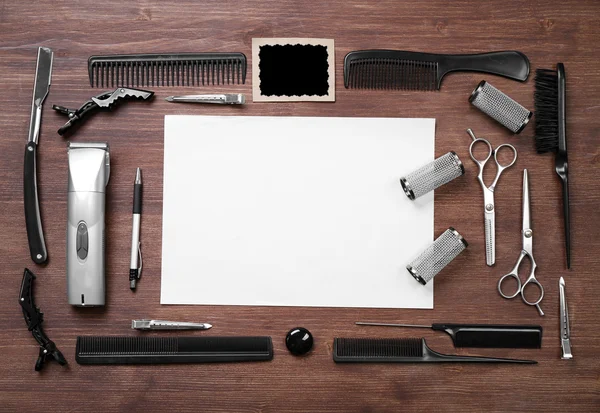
439	254
89	170
500	107
433	175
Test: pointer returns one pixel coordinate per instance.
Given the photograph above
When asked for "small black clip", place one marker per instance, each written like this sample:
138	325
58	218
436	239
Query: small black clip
105	100
33	318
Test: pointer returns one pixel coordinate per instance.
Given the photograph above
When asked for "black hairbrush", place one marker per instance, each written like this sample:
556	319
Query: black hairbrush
396	69
400	350
551	132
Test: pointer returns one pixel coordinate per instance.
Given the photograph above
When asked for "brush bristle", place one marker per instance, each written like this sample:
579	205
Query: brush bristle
378	348
378	73
546	110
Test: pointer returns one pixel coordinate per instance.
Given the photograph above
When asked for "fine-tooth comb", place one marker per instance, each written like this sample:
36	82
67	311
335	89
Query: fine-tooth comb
395	69
181	69
160	350
400	350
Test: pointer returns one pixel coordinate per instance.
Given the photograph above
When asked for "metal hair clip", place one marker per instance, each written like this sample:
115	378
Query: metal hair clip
106	100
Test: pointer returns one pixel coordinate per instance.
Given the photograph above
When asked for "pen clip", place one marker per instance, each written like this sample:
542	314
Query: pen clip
139	273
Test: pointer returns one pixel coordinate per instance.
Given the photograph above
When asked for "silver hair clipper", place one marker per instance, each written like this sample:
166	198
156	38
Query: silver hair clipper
89	170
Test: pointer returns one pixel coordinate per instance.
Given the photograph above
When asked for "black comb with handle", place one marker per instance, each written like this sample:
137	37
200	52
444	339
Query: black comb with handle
396	69
400	350
160	350
179	69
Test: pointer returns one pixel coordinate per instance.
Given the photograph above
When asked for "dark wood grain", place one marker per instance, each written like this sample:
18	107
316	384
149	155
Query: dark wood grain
548	32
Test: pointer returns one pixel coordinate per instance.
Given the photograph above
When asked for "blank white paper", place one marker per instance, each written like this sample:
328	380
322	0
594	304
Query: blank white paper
294	211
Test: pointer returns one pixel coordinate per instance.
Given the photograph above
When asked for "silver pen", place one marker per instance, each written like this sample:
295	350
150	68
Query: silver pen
565	330
221	99
135	268
167	325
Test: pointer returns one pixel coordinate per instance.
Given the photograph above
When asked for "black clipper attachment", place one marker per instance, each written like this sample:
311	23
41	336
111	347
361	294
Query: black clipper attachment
105	101
33	318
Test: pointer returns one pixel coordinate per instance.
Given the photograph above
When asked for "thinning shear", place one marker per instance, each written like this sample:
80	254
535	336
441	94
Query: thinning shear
526	251
489	209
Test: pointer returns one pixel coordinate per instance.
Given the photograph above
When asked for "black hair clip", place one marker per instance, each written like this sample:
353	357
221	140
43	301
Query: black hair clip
104	100
34	318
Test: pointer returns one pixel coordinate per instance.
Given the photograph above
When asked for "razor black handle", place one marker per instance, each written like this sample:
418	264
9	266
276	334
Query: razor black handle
492	336
510	64
33	220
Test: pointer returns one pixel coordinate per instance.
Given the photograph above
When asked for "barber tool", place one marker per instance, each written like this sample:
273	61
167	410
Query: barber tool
299	341
551	132
34	318
481	335
222	99
160	350
439	254
104	101
489	207
33	219
135	267
396	69
565	331
171	68
526	251
500	107
433	175
89	171
167	325
401	350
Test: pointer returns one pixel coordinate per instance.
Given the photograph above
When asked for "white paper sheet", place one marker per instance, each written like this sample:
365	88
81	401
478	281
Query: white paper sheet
294	211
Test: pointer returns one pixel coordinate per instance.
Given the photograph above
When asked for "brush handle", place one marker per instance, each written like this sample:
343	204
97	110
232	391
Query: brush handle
566	217
511	64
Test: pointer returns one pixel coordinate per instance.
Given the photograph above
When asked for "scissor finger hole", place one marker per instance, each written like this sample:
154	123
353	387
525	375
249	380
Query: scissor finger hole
480	150
532	293
509	286
506	155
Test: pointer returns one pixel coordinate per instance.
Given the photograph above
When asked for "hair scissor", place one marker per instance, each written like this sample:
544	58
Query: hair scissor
489	208
526	251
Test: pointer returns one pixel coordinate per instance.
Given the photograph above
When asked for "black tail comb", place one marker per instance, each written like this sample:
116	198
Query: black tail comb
395	69
181	69
155	350
400	350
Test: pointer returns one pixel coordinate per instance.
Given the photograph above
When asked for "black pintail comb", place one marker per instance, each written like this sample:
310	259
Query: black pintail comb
400	350
180	69
396	69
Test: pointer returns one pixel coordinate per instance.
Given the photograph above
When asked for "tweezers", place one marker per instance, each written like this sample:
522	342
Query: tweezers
565	331
221	99
167	325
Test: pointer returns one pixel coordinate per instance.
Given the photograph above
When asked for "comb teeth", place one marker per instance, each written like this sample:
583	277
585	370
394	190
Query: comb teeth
378	348
382	73
184	69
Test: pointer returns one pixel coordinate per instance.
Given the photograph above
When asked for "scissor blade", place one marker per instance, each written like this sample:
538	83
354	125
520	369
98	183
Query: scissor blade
490	238
527	233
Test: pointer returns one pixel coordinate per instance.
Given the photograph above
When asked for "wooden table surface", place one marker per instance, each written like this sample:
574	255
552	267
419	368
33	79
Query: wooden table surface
547	32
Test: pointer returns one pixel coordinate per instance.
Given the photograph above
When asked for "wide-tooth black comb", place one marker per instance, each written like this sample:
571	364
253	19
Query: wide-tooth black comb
181	69
154	350
400	350
395	69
